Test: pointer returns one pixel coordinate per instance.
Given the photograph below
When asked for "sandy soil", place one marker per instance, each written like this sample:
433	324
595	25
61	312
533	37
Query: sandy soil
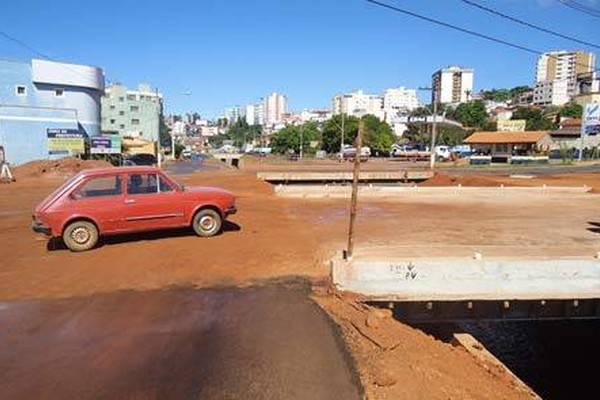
272	237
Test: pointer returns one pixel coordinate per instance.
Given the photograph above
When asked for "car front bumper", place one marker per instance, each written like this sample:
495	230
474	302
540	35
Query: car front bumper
38	227
230	210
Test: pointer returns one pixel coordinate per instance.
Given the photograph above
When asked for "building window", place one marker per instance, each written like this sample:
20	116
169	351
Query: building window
112	107
59	93
134	108
121	98
131	97
21	90
121	126
112	121
135	122
121	112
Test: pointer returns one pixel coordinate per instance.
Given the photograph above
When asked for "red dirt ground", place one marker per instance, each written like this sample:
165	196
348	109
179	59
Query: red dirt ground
272	237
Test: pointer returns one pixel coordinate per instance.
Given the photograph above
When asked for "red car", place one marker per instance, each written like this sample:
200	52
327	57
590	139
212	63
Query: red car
110	201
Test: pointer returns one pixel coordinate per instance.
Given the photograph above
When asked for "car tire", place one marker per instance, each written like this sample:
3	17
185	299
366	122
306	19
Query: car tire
80	236
207	222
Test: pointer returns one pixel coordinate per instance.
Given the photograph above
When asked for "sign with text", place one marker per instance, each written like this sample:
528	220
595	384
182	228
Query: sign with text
105	144
66	142
511	125
591	119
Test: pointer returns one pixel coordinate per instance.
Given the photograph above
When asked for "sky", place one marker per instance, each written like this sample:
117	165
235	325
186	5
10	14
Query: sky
207	55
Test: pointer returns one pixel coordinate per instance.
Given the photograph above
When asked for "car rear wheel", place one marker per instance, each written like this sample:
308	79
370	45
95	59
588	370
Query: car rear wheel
207	222
80	236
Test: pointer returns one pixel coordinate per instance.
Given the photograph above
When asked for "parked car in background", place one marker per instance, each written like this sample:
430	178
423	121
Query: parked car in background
443	153
108	201
349	153
140	159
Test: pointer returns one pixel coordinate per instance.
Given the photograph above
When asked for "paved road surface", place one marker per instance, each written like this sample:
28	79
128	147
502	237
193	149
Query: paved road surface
267	343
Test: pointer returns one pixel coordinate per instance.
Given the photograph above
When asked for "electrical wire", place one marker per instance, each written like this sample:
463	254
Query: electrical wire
467	31
528	24
582	8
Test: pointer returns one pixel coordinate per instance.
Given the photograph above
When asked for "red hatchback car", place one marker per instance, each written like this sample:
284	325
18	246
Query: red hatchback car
110	201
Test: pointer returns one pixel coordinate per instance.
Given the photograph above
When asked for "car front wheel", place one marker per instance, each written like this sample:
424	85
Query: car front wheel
80	236
207	222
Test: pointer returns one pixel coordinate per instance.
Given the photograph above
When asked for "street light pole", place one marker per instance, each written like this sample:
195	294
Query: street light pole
433	135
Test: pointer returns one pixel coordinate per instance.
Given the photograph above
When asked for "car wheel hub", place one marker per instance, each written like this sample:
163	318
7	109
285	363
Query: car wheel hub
207	223
80	235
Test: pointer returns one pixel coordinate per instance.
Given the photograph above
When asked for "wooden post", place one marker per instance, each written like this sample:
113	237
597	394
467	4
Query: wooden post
357	154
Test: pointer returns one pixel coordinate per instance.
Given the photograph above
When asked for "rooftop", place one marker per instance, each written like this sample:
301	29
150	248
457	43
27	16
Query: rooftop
505	137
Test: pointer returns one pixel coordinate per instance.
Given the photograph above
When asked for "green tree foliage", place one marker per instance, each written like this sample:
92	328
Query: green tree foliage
572	110
378	135
472	114
504	95
240	132
290	137
536	119
332	132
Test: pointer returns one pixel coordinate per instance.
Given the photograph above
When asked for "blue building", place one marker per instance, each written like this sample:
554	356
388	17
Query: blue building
39	99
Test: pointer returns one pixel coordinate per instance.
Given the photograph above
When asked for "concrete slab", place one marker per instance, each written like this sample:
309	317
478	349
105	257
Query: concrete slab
340	176
423	193
469	279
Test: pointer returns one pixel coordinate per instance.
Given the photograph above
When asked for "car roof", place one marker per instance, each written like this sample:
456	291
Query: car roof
119	170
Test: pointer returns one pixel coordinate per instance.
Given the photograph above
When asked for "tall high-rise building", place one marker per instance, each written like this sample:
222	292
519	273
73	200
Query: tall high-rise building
452	85
556	76
399	100
255	114
358	104
275	107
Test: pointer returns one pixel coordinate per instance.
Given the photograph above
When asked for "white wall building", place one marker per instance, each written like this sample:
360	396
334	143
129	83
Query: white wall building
255	114
275	107
564	65
399	100
551	93
358	104
452	85
315	115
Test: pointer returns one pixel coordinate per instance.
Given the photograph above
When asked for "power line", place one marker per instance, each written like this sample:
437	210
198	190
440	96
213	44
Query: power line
467	31
528	24
594	12
24	45
38	53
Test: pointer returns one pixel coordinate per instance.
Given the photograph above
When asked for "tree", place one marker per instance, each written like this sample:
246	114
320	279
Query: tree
332	132
536	119
378	134
291	138
472	114
572	110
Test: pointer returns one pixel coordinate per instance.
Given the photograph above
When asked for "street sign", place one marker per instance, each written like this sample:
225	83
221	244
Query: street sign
109	144
65	141
591	119
511	125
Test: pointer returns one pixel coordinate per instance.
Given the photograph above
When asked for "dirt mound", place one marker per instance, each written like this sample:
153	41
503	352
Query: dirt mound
61	167
445	179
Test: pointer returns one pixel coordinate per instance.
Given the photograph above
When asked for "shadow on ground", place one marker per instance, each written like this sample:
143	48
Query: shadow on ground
55	244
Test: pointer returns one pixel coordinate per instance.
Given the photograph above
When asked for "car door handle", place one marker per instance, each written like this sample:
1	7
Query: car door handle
129	201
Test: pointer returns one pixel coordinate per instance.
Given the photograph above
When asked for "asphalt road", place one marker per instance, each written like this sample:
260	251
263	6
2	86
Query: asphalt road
268	343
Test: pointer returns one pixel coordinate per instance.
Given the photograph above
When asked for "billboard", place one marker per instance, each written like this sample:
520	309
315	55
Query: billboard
110	144
511	125
591	119
66	142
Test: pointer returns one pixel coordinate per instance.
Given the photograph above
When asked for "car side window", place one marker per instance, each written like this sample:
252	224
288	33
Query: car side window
100	186
142	184
164	185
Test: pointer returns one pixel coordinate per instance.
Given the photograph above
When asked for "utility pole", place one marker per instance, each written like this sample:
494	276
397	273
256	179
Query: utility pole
353	200
342	140
301	141
433	134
